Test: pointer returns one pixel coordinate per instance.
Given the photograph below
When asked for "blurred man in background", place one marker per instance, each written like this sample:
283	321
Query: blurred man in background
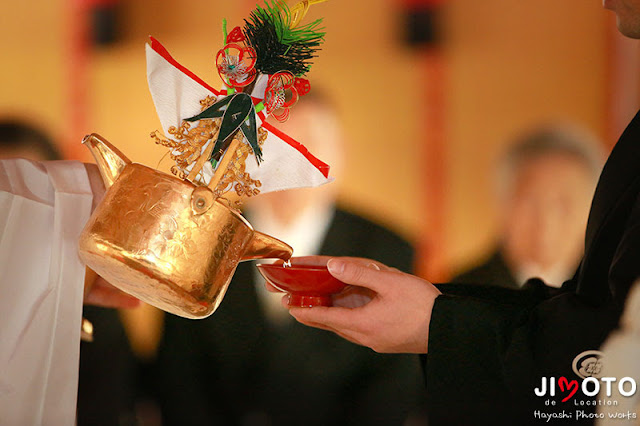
544	185
21	140
250	363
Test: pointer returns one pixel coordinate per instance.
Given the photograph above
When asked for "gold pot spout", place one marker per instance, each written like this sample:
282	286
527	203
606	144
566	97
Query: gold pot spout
263	246
109	159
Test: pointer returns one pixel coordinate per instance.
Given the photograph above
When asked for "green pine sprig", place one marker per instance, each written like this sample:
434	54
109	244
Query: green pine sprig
278	46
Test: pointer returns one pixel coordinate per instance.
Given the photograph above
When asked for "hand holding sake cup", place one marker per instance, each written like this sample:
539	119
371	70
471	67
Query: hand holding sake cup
308	282
377	306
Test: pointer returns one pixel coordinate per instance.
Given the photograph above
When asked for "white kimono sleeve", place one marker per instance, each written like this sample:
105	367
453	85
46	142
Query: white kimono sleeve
43	208
620	361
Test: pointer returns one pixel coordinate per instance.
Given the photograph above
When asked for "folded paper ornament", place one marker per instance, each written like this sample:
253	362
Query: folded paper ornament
262	66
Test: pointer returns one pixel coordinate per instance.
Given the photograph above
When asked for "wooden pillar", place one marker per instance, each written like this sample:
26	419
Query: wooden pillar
77	65
432	244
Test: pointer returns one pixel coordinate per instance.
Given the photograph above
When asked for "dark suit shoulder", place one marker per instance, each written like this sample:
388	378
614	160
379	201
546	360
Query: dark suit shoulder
492	272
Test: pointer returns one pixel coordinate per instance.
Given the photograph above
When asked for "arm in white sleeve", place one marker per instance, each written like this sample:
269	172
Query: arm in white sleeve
43	208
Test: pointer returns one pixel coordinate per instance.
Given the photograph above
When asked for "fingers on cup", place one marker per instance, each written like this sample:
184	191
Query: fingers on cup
360	273
105	295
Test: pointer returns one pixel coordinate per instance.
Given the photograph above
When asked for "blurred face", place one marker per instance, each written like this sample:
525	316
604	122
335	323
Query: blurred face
22	152
627	14
317	129
546	214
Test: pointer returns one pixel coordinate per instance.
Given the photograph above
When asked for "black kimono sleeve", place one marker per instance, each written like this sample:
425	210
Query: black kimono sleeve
489	349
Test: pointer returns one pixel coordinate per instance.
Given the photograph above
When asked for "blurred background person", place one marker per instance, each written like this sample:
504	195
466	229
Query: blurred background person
250	363
21	140
106	383
544	184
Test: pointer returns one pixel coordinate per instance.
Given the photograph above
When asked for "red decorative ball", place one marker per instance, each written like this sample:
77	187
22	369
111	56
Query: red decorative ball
302	86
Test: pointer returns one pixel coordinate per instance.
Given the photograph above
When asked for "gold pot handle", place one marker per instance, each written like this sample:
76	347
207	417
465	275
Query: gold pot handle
200	163
223	166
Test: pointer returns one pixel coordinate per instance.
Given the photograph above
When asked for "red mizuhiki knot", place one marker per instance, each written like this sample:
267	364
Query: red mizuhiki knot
235	65
302	86
235	36
280	87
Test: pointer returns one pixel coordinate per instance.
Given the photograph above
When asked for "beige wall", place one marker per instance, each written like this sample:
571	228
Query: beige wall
510	64
32	55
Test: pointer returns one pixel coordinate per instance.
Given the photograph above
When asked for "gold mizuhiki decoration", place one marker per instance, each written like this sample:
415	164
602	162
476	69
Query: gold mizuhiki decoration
188	143
236	176
187	150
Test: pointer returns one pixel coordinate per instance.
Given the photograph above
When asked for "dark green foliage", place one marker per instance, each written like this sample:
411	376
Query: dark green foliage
239	114
278	46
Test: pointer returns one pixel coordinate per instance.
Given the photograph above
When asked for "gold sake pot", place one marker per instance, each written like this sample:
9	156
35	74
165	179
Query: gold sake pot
165	240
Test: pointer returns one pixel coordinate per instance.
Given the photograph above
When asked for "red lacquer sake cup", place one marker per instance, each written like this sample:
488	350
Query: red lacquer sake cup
308	285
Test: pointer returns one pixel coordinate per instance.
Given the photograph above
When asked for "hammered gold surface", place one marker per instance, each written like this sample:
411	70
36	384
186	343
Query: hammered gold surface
162	240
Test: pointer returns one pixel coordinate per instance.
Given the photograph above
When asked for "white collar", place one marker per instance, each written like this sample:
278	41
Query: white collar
305	234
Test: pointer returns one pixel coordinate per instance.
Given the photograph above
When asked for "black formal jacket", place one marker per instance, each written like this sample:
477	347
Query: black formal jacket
107	376
493	271
235	368
487	353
